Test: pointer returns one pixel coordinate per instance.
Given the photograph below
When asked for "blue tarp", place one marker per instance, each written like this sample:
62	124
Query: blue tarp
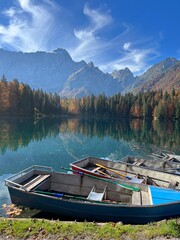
163	195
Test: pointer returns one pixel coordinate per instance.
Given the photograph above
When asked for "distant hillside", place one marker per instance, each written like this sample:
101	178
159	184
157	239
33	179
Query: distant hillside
152	76
57	72
166	81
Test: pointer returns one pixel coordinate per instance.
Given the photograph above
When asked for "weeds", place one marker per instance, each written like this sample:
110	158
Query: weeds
32	229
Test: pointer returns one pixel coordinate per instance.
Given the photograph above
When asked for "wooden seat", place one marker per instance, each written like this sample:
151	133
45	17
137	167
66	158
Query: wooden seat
96	196
136	198
145	198
139	162
35	182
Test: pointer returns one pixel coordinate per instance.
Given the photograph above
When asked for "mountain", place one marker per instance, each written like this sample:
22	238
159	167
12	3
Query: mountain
90	80
57	72
152	76
166	81
124	76
48	71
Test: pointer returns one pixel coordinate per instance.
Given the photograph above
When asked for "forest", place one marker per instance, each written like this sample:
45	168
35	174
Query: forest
18	99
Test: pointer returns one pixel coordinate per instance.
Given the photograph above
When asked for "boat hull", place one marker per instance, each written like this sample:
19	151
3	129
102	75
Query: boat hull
95	211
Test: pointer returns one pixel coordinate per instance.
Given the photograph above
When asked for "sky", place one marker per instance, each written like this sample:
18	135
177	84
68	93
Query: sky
113	34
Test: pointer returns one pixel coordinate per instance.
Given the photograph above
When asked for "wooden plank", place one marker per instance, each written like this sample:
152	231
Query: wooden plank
105	174
96	169
145	198
32	181
37	182
136	198
112	170
138	162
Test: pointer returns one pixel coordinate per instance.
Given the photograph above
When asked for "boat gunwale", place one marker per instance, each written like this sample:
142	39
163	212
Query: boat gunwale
124	163
86	202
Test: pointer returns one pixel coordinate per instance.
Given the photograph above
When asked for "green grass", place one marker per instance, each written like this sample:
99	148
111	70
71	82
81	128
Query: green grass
29	228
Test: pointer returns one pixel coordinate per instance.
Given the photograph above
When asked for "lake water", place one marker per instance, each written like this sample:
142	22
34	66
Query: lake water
58	142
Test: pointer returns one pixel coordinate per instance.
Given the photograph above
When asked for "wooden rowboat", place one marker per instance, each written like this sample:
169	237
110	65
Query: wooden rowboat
127	172
156	164
84	197
167	156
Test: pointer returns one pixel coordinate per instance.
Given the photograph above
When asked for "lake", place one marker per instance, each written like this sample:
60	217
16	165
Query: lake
60	141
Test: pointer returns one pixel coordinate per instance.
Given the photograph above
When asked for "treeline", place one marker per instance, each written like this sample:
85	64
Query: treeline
157	105
19	99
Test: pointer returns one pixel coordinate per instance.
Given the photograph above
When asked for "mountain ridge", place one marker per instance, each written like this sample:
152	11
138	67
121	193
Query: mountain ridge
154	72
57	72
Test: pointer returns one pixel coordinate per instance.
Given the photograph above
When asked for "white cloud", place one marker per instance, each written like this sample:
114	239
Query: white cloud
89	44
135	59
34	27
126	46
110	54
29	26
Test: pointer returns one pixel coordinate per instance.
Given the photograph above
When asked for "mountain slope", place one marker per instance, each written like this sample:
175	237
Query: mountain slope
90	80
152	75
124	76
167	81
48	71
57	72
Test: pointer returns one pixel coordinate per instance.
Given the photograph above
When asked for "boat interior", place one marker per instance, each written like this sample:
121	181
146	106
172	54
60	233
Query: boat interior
154	164
76	187
130	173
166	155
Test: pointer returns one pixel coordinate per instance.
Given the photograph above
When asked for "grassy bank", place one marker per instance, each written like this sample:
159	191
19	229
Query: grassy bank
48	229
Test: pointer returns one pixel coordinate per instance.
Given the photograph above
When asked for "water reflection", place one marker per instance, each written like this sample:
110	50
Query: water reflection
17	133
57	142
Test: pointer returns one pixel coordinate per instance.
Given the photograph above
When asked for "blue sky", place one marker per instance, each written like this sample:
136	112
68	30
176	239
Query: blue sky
114	34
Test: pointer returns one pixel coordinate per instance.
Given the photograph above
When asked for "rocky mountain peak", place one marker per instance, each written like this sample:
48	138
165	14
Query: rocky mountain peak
57	72
124	76
63	53
90	65
122	73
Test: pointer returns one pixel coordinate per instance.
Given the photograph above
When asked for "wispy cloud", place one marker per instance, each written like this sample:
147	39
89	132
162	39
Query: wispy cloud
88	42
126	45
35	26
136	59
91	46
29	26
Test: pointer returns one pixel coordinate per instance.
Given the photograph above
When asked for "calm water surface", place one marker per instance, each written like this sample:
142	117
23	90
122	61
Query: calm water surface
58	142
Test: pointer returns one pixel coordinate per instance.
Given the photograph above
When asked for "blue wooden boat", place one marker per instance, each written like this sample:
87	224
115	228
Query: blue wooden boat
84	197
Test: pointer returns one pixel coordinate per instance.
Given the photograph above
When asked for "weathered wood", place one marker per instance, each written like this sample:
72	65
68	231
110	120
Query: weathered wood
138	162
136	198
32	184
161	178
118	206
96	169
145	198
